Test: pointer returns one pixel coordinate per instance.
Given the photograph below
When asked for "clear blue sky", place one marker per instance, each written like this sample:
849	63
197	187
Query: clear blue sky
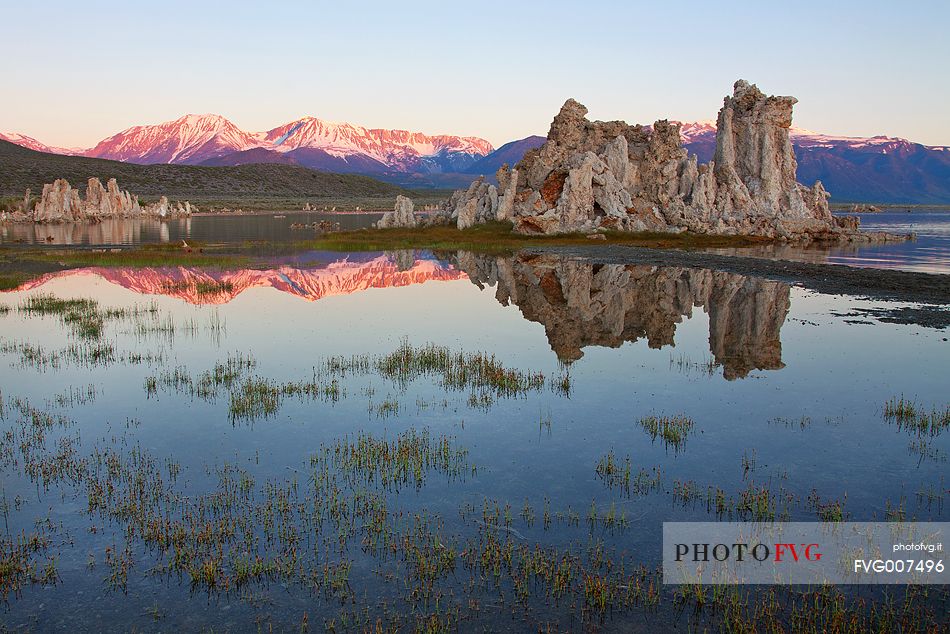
74	73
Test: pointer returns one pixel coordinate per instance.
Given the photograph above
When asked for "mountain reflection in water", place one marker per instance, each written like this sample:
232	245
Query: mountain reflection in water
579	304
348	274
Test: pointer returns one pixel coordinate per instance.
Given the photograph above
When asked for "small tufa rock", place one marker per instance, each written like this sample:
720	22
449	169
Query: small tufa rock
401	216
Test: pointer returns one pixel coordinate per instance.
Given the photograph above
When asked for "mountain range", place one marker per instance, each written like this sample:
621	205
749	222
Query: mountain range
211	139
873	169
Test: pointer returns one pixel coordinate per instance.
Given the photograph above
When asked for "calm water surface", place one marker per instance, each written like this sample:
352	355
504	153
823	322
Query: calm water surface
786	389
930	252
221	228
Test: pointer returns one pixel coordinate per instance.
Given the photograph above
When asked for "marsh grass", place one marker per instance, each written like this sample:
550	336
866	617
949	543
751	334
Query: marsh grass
19	563
75	397
911	417
405	460
802	423
457	370
616	473
672	430
900	409
925	449
199	287
612	471
827	511
82	316
756	503
483	376
308	529
86	319
254	398
83	354
684	365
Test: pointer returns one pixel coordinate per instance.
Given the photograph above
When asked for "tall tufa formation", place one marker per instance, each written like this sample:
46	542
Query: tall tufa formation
59	202
597	175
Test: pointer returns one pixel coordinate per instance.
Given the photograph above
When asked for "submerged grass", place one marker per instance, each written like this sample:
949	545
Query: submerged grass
199	287
82	316
672	430
911	417
483	376
19	566
311	529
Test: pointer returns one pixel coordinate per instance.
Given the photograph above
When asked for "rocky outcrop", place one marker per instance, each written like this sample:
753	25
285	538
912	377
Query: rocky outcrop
109	202
475	205
401	216
59	202
595	176
581	304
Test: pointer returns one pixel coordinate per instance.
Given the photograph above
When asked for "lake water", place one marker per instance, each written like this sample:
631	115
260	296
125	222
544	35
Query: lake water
930	252
227	229
314	478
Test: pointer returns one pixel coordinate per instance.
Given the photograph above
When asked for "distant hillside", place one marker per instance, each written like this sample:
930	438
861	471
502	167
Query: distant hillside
855	169
21	168
509	153
903	172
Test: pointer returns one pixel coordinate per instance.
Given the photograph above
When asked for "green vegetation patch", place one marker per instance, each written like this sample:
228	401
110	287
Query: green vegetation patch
912	418
498	237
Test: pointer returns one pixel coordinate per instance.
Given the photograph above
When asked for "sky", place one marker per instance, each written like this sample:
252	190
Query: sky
75	73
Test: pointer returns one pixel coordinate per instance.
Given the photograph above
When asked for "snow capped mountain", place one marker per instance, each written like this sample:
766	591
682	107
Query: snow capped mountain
398	150
32	144
692	131
189	139
213	140
699	132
